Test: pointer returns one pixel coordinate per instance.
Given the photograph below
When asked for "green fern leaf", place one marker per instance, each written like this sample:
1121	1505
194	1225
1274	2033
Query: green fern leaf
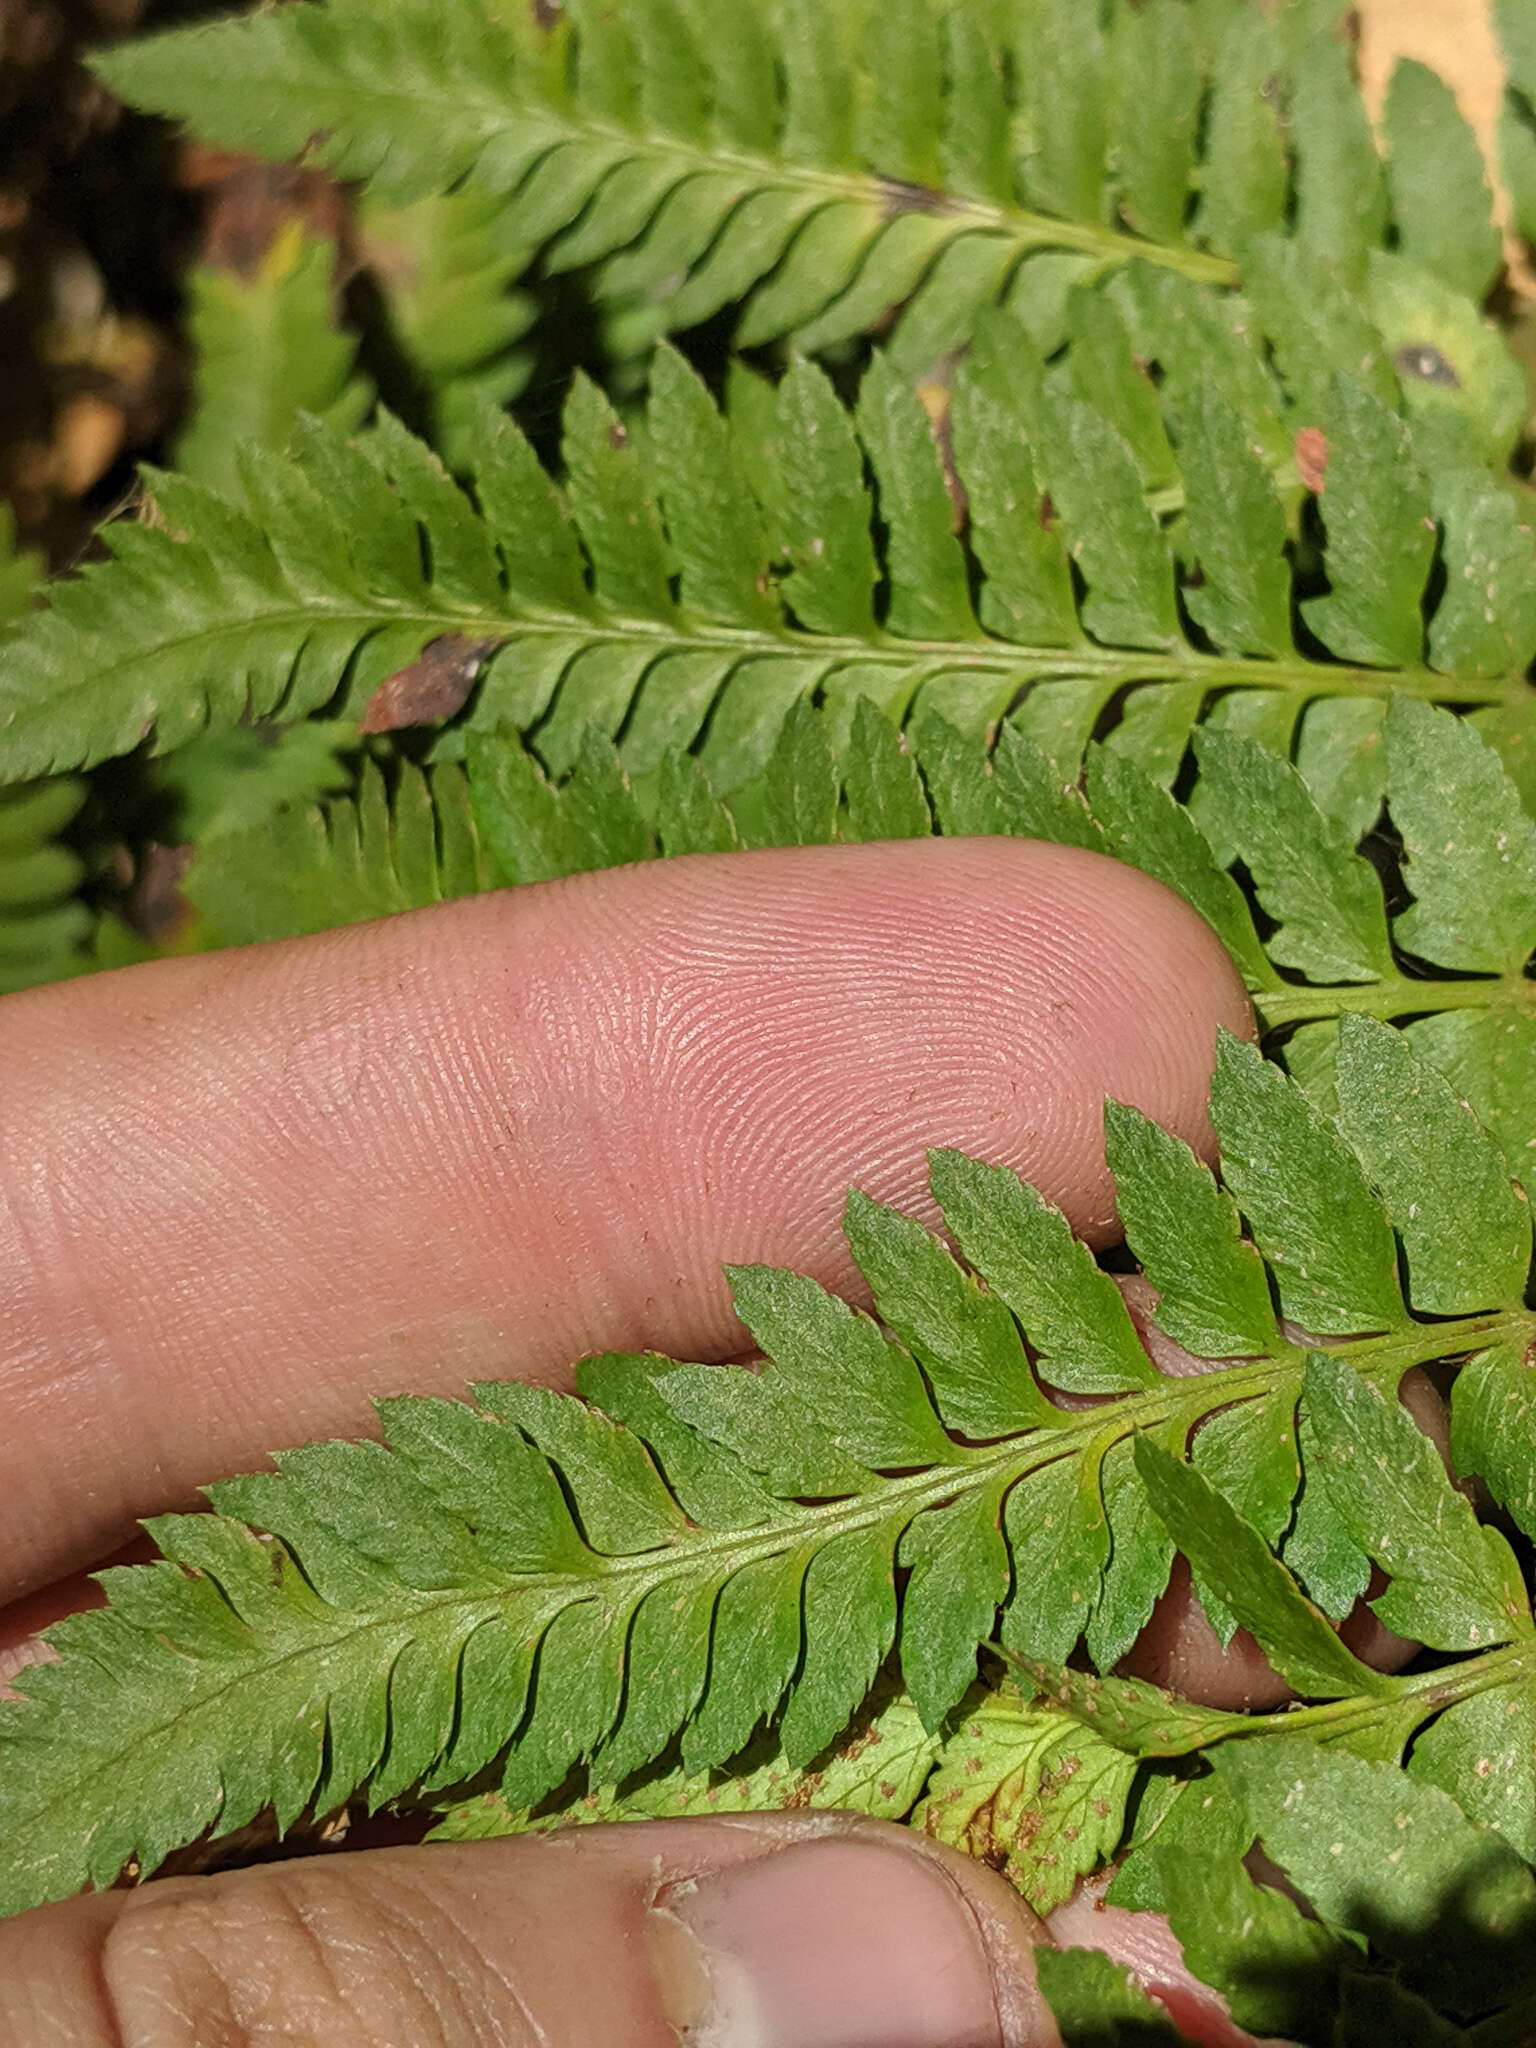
445	267
1233	1559
321	582
1455	1584
480	1590
1030	1792
395	846
1341	196
1094	1999
932	168
1439	191
44	926
1470	847
267	349
1324	899
1481	1752
677	133
879	1768
1339	1798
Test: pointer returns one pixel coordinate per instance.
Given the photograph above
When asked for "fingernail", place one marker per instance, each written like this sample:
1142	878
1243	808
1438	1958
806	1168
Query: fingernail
828	1944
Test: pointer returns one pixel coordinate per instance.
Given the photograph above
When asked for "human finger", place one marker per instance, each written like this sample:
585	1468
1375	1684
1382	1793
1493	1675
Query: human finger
761	1931
241	1193
1145	1945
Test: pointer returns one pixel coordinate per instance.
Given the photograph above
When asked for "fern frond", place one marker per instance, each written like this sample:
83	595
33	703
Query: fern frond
1025	1787
824	165
480	1592
400	842
674	590
44	926
445	267
266	350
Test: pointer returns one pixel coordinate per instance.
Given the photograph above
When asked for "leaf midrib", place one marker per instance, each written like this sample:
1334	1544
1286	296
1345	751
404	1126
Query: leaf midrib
910	1495
489	116
1394	995
1117	665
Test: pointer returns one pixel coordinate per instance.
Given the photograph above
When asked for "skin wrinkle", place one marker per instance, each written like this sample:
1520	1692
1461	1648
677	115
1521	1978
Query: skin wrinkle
304	1947
492	1968
440	1958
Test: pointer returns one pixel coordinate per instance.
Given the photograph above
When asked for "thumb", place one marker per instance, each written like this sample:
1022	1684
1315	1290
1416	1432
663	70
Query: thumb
761	1931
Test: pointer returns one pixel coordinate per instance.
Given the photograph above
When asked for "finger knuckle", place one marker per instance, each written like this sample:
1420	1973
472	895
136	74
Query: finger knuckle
266	1956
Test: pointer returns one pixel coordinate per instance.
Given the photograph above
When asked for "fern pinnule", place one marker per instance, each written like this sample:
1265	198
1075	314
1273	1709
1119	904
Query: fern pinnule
399	841
45	925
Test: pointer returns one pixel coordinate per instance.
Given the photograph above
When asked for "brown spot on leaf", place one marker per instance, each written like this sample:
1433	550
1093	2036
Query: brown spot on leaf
896	198
804	1794
249	204
156	909
435	685
1424	363
935	401
618	435
546	13
1312	458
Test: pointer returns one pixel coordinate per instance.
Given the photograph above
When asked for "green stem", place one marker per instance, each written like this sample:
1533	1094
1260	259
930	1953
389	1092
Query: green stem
1395	995
1002	1466
1415	1697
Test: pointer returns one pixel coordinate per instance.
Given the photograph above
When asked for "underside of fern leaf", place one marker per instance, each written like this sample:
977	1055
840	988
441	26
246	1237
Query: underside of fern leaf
825	164
711	577
379	1623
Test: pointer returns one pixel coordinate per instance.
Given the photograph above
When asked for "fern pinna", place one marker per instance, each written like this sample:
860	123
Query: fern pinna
465	1608
1178	517
715	600
45	928
816	166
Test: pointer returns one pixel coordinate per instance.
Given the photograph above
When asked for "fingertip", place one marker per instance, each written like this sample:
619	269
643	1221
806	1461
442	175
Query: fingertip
244	1193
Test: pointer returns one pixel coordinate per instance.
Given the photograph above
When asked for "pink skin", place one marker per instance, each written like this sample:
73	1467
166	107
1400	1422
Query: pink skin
1146	1945
241	1193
